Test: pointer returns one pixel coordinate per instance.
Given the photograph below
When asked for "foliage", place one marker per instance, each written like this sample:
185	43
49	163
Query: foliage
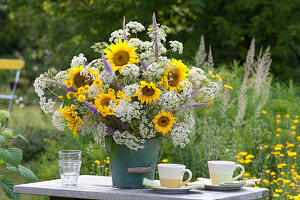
228	26
11	157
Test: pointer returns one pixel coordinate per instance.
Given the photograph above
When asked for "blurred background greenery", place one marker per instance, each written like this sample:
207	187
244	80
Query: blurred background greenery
48	33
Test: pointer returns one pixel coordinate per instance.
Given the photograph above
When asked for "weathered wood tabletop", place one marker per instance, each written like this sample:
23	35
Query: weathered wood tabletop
100	187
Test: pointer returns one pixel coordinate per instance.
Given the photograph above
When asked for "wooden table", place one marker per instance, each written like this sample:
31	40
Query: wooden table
100	187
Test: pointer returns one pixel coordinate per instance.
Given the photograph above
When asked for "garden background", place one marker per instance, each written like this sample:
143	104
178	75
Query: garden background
255	124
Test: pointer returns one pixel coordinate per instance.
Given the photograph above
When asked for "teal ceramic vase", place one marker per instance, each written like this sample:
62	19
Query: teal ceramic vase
129	167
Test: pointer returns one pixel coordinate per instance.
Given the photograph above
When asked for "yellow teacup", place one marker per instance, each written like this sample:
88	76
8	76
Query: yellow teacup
170	175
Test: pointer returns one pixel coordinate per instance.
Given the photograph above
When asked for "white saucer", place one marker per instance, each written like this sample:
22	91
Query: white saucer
208	185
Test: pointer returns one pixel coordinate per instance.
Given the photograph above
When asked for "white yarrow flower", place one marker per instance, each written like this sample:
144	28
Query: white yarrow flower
176	46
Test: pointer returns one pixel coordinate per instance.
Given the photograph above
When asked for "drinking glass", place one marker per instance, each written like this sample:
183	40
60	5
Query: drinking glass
69	166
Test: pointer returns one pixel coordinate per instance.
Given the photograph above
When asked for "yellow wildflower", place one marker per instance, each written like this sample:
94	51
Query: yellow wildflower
276	195
278	190
210	73
243	153
217	76
298	138
60	97
293	127
278	116
278	129
264	112
277	135
295	121
272	173
293	133
287	115
68	95
165	160
267	171
227	86
277	120
97	162
86	88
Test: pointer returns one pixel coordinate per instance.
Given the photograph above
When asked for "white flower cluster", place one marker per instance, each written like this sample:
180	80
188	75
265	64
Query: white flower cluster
196	76
180	136
161	32
129	140
169	100
89	126
176	46
58	121
208	92
61	76
118	34
78	61
47	105
134	42
146	126
130	90
131	69
106	78
135	27
127	111
39	85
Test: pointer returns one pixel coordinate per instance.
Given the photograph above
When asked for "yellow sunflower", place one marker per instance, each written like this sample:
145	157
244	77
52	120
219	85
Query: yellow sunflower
71	116
148	92
119	55
163	122
103	101
78	79
175	74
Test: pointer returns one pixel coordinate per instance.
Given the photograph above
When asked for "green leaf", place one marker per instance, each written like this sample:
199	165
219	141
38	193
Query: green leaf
7	186
23	171
12	156
2	140
1	176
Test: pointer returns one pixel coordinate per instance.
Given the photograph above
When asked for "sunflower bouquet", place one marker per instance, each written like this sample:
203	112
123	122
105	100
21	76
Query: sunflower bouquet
132	93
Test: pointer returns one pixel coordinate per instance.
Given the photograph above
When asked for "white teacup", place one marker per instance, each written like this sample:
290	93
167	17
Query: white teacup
170	175
222	171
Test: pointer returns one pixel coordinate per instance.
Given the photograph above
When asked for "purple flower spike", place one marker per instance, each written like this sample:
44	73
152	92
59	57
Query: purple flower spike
64	87
197	105
145	66
92	108
195	91
107	65
110	132
155	29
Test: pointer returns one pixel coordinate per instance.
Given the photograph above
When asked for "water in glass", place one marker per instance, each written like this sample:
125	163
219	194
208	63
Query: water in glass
69	172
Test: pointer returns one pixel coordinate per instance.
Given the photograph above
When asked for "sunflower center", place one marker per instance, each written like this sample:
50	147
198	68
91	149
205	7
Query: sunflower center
121	58
105	101
163	121
148	91
173	78
81	81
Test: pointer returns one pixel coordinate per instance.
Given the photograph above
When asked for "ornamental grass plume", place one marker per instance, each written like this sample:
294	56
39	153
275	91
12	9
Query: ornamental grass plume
242	97
201	52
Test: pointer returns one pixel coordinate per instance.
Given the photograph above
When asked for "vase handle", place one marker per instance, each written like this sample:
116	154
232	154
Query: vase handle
138	170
